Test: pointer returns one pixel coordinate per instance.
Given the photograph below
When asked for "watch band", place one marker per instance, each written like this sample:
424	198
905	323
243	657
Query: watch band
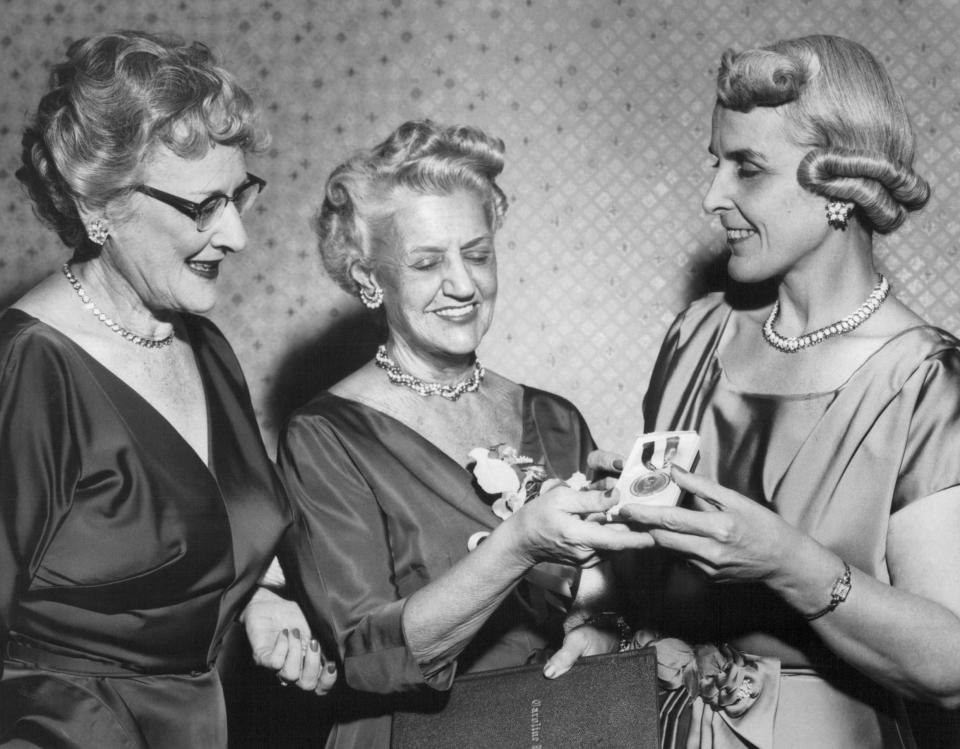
838	594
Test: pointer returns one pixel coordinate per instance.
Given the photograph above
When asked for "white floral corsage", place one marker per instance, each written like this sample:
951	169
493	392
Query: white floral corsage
512	478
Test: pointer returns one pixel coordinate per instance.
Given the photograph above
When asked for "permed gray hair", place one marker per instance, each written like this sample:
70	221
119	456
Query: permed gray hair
117	97
839	102
419	156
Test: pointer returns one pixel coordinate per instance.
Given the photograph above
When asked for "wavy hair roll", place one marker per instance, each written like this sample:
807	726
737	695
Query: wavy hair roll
839	102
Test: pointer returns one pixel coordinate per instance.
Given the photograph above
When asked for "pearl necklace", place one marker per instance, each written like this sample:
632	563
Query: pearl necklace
451	392
114	326
850	322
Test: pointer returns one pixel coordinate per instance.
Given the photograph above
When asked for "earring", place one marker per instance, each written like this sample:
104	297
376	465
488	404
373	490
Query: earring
838	214
371	299
97	231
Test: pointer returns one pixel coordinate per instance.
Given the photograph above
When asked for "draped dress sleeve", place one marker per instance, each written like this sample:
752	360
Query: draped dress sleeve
38	465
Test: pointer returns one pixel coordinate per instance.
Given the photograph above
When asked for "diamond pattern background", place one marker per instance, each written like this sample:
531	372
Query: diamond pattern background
604	106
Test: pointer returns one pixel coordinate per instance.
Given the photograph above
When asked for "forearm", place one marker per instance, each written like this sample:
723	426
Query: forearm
906	642
440	619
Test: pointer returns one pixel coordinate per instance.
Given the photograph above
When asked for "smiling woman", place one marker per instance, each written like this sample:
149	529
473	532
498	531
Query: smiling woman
138	506
379	465
829	423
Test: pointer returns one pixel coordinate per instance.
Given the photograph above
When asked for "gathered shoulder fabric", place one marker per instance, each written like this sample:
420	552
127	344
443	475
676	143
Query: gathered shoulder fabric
835	464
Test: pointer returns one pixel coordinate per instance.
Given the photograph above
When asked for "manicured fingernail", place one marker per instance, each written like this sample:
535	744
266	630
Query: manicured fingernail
549	671
296	633
314	645
331	667
618	464
286	633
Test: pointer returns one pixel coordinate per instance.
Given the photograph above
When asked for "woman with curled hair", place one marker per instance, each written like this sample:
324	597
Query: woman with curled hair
388	467
828	487
138	507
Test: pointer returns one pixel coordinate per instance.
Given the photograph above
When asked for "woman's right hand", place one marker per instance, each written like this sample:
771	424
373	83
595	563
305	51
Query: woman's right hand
280	639
568	526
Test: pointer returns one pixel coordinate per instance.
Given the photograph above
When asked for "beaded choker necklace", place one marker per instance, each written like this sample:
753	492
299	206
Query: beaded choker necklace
451	392
851	322
114	326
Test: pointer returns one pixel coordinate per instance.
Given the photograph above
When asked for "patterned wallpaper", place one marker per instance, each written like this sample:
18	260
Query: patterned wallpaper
604	106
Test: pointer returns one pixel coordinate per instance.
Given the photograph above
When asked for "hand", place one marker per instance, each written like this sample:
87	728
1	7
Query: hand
728	536
583	640
555	528
280	639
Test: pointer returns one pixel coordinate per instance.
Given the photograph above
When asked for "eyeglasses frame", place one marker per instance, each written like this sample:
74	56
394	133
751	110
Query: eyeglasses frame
194	210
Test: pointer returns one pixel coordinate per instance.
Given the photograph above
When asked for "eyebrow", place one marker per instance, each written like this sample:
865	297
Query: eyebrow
740	154
466	246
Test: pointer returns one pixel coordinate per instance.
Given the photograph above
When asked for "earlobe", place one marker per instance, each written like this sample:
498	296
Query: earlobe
95	222
369	291
838	213
98	231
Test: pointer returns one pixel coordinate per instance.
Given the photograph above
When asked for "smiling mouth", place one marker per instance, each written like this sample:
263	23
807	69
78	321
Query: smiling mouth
739	235
207	269
456	313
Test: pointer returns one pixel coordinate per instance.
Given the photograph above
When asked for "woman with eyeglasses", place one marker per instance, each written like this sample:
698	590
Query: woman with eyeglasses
138	507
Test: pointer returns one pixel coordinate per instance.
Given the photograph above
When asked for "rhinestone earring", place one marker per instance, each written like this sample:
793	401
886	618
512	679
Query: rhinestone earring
97	231
838	214
371	299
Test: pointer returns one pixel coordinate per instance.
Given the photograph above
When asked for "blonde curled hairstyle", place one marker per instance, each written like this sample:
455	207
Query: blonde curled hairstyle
839	102
360	197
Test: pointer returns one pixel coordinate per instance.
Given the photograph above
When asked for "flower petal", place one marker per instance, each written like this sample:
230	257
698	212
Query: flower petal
495	476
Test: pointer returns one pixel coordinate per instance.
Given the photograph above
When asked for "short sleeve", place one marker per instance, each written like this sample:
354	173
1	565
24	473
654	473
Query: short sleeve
38	466
339	561
931	458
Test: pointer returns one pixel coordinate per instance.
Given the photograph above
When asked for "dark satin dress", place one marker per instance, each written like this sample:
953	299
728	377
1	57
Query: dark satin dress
384	513
835	464
123	558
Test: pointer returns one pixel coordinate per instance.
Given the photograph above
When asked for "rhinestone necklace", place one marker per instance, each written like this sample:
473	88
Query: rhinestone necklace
451	392
114	326
850	322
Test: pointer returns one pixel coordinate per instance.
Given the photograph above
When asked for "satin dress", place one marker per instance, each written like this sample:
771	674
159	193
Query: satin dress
384	512
835	464
123	557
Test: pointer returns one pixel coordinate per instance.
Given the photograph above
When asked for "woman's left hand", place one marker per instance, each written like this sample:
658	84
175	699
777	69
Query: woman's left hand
582	640
727	535
280	639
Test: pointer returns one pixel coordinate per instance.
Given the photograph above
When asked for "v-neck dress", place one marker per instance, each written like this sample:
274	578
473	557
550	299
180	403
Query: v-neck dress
835	464
123	557
384	512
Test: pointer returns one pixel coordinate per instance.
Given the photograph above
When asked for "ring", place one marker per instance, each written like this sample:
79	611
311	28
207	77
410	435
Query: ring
283	682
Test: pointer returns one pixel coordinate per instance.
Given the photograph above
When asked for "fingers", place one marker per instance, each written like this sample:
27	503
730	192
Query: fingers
614	537
706	489
304	663
292	667
580	502
561	661
583	640
602	460
275	657
328	677
311	668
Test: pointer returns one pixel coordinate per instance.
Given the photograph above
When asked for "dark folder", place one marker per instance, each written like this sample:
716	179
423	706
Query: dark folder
606	701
